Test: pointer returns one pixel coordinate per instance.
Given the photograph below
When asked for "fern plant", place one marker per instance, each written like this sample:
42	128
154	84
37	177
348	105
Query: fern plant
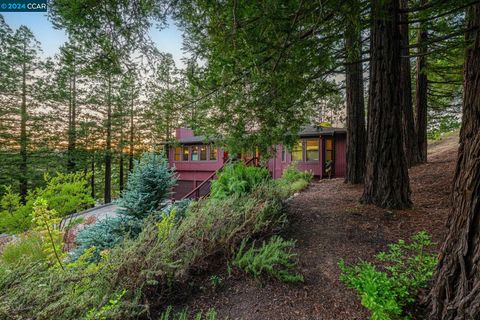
274	258
238	179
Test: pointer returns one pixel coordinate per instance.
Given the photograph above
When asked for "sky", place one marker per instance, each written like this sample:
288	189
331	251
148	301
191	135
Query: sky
168	40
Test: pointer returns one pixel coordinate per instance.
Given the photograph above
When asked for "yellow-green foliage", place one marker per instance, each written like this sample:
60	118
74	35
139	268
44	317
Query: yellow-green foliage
66	193
14	217
165	258
386	289
47	224
294	180
10	201
165	226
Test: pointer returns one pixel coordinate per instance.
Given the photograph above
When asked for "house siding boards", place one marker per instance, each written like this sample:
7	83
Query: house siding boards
276	165
193	172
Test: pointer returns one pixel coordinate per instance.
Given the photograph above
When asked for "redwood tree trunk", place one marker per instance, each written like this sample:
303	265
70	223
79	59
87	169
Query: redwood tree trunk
455	294
130	152
356	134
108	149
72	128
23	130
410	139
386	175
421	94
92	179
121	173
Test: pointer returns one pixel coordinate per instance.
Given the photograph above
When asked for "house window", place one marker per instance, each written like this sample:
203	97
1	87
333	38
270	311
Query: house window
328	149
284	154
186	152
312	149
297	152
203	153
213	153
178	153
194	153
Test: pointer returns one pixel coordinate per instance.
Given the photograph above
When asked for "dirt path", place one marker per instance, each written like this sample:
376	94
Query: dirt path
329	224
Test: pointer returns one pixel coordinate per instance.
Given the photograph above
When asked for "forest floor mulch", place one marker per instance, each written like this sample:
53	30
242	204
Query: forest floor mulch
329	224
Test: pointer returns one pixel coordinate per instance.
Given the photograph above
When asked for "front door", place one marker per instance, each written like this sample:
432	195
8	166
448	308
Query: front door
328	157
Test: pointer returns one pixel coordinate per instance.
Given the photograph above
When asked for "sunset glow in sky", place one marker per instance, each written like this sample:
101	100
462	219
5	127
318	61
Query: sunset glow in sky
168	40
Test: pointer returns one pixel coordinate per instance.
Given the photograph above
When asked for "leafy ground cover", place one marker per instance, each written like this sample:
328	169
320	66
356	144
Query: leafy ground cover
140	276
328	225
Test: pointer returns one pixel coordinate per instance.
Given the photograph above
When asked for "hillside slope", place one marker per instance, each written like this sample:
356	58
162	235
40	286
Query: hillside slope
329	224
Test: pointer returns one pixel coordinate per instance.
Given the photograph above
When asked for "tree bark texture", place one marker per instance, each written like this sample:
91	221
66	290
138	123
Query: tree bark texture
130	152
92	179
23	174
421	93
386	175
72	123
108	149
409	135
356	133
455	294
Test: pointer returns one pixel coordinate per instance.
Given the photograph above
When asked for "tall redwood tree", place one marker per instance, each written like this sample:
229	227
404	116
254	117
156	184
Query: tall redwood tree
421	95
456	290
356	134
409	134
386	176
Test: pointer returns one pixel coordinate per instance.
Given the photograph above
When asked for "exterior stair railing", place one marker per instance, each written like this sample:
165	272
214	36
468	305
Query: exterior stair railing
195	193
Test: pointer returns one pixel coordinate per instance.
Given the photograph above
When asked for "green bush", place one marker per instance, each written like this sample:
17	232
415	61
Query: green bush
64	193
444	126
386	290
14	217
145	195
148	186
294	180
292	174
238	179
167	259
274	258
105	234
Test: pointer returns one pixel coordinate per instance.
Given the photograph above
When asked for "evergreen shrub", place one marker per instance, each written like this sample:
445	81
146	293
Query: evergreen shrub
148	186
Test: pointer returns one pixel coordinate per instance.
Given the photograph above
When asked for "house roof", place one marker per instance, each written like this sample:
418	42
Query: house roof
308	131
194	139
314	131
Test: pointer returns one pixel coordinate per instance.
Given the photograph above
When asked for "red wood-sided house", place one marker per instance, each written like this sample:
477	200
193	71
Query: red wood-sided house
321	150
